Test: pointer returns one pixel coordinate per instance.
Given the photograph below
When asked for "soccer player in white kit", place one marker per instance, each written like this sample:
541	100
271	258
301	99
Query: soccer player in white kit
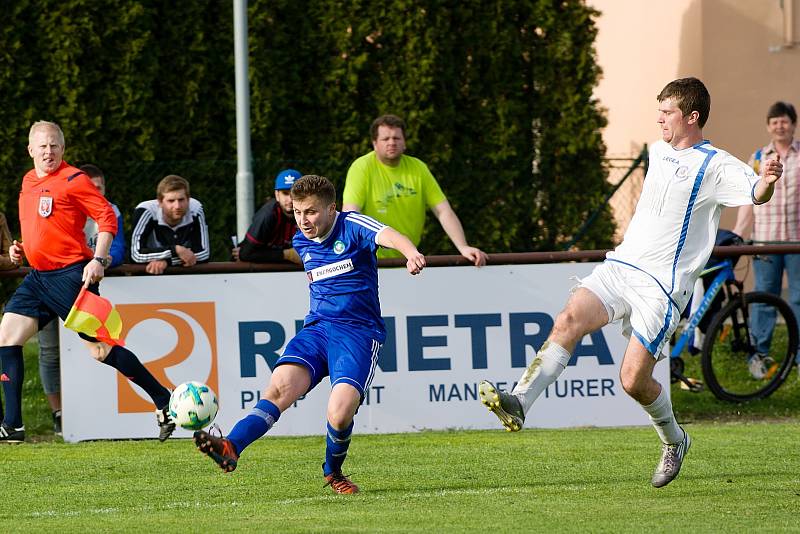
647	280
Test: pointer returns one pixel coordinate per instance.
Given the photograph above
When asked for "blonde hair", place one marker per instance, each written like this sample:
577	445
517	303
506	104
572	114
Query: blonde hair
46	125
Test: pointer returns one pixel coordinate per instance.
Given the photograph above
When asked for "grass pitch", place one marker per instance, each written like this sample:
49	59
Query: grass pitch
741	475
737	477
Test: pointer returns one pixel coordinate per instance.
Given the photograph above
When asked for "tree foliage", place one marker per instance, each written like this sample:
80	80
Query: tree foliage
497	96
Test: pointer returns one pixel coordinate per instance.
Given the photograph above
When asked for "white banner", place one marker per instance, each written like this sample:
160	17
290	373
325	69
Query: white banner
448	329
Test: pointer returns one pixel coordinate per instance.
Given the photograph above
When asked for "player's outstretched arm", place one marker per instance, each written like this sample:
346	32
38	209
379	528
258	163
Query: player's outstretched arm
391	238
772	171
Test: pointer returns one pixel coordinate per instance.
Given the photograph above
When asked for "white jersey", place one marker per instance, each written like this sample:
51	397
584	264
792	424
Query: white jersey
672	232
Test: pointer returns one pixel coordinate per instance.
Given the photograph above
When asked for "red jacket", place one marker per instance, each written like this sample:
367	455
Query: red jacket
52	214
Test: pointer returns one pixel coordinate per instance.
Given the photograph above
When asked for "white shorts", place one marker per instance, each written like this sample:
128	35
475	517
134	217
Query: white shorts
635	298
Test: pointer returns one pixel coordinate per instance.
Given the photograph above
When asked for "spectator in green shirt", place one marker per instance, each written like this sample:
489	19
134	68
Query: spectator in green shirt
396	189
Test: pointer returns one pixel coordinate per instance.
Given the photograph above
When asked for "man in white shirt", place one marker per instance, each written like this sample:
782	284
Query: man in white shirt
647	280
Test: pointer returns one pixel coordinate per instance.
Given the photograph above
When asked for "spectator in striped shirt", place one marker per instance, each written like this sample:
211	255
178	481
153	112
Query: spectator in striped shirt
170	230
776	222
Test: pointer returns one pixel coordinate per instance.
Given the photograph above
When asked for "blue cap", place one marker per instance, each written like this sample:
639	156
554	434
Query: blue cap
286	178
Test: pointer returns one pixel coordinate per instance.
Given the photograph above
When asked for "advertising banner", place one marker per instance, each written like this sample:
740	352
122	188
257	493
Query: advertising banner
448	329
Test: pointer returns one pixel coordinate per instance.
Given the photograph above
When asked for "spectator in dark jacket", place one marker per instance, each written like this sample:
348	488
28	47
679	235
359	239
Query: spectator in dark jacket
5	244
269	238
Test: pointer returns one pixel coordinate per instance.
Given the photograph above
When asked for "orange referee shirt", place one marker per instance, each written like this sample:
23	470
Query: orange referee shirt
52	214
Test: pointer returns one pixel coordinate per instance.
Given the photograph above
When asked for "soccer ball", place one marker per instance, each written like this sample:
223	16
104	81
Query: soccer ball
193	405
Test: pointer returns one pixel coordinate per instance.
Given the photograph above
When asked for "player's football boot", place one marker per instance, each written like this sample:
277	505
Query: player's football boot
166	426
9	434
505	406
219	449
671	459
340	483
57	423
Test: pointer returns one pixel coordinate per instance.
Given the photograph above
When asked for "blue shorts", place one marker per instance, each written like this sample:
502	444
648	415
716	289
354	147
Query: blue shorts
347	353
45	295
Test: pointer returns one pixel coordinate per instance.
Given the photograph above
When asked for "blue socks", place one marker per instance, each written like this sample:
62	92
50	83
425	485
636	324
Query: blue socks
265	414
12	376
337	442
254	425
129	365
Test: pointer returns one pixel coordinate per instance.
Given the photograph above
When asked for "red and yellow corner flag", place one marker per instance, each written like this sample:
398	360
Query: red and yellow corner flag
95	316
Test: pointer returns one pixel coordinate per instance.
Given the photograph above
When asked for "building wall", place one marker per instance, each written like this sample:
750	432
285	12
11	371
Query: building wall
737	47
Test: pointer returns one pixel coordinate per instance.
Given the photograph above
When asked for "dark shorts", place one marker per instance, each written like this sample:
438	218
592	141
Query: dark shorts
45	295
348	354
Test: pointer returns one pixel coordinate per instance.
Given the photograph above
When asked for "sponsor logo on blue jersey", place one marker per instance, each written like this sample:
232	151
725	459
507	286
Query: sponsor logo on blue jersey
330	270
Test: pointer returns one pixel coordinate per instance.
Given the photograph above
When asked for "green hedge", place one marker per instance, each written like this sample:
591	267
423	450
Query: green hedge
497	96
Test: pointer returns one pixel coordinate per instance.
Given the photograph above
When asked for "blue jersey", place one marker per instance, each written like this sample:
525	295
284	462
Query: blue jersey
342	271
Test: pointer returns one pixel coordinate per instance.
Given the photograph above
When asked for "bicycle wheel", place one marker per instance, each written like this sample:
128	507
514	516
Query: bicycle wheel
733	339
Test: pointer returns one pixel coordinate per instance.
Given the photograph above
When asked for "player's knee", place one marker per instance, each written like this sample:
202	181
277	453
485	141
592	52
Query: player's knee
631	383
340	416
99	351
567	325
342	407
281	394
14	333
274	393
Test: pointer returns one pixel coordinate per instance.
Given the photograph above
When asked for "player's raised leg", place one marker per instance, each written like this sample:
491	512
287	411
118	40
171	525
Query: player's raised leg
289	382
636	377
342	405
584	313
129	365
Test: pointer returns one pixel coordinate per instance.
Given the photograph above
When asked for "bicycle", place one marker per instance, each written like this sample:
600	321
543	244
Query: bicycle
736	367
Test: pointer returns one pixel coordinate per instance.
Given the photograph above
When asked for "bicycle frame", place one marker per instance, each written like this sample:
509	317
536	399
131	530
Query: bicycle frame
725	268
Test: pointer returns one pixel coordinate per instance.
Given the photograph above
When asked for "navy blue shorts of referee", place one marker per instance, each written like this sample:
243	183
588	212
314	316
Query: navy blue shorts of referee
44	295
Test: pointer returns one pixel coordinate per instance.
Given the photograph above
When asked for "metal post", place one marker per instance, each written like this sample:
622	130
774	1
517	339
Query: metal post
789	37
244	172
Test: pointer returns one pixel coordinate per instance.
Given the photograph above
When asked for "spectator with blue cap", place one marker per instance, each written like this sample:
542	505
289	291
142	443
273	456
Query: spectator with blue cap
269	238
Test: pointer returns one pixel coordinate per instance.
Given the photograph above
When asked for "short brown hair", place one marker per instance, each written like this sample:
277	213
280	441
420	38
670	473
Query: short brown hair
171	183
93	171
313	185
779	109
393	121
690	95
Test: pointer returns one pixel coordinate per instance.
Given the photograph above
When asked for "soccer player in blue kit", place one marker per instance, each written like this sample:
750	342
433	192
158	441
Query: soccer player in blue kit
343	330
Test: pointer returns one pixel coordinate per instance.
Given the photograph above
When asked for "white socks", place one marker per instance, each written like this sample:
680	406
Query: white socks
551	361
663	419
548	364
